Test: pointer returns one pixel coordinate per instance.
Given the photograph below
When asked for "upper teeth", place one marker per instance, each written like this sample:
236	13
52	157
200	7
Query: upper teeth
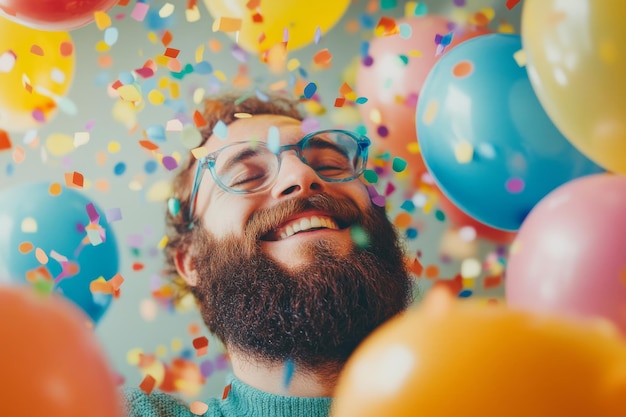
306	223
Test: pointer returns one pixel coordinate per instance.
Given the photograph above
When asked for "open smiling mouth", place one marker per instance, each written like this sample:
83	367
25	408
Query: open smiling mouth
302	224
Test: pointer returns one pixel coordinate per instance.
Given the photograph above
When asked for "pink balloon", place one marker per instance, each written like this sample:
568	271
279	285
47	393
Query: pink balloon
570	252
391	77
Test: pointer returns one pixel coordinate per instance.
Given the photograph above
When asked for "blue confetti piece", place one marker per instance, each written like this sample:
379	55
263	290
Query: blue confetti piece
447	39
149	84
111	35
405	30
173	205
150	166
273	139
367	21
411	233
126	78
303	73
421	9
220	130
465	294
408	206
113	214
119	168
10	169
361	100
156	132
203	68
318	35
364	50
102	79
289	370
310	90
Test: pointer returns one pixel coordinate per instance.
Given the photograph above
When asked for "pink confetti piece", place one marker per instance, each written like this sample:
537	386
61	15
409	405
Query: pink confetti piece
140	11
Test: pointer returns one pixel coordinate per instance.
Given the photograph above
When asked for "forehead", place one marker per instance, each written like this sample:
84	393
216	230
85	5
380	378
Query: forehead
257	128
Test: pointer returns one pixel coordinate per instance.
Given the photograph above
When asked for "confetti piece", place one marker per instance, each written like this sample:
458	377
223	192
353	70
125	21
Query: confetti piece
25	247
129	93
28	225
80	138
140	11
5	141
470	268
36	50
7	61
463	69
198	408
40	273
166	10
511	3
198	119
192	14
148	383
226	392
386	26
430	113
322	57
515	185
431	271
226	24
74	179
288	373
173	205
102	19
520	58
463	152
113	214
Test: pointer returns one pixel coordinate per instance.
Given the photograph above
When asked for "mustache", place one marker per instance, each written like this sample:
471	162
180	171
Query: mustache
344	211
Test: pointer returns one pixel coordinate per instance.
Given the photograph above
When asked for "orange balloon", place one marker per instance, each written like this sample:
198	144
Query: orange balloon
50	361
452	358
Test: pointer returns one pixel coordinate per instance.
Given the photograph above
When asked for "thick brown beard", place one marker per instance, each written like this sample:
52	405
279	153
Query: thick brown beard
314	315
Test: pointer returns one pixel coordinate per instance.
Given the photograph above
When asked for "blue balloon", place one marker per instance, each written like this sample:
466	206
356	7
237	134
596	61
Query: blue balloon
79	244
485	138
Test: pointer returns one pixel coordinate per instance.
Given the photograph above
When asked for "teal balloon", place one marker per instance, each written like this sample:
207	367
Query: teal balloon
485	138
58	226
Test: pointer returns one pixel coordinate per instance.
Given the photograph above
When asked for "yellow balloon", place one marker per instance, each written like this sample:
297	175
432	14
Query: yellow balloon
36	68
576	58
466	359
262	24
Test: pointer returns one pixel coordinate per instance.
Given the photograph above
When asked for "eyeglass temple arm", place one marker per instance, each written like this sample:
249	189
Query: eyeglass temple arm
194	190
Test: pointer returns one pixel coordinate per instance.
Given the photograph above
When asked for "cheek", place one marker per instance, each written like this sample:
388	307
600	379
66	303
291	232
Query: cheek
227	217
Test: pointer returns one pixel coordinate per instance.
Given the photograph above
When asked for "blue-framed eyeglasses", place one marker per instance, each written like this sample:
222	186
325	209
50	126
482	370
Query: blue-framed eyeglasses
251	166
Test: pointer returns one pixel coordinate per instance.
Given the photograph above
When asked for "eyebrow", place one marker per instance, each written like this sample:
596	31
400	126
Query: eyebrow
242	156
321	143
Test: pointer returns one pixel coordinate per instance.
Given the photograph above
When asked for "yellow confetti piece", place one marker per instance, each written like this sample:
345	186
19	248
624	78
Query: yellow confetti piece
199	55
468	283
161	351
163	242
114	147
129	92
156	98
162	60
226	24
59	144
133	356
242	115
102	46
375	116
198	408
166	10
409	8
489	13
177	344
198	95
158	192
102	19
192	14
174	91
125	113
463	152
29	225
220	76
293	64
506	27
199	152
413	148
153	37
432	108
81	138
520	57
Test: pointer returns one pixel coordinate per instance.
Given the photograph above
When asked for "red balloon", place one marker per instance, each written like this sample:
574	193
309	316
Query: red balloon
51	362
460	219
54	15
391	77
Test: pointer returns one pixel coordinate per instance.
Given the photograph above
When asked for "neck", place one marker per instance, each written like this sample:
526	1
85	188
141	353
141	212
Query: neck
271	377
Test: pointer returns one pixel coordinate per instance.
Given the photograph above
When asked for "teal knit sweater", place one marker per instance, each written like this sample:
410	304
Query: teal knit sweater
242	401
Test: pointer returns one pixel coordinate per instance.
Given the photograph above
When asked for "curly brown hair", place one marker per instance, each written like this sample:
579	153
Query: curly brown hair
180	231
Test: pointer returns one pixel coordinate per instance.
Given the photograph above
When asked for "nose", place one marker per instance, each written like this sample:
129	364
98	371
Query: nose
296	178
